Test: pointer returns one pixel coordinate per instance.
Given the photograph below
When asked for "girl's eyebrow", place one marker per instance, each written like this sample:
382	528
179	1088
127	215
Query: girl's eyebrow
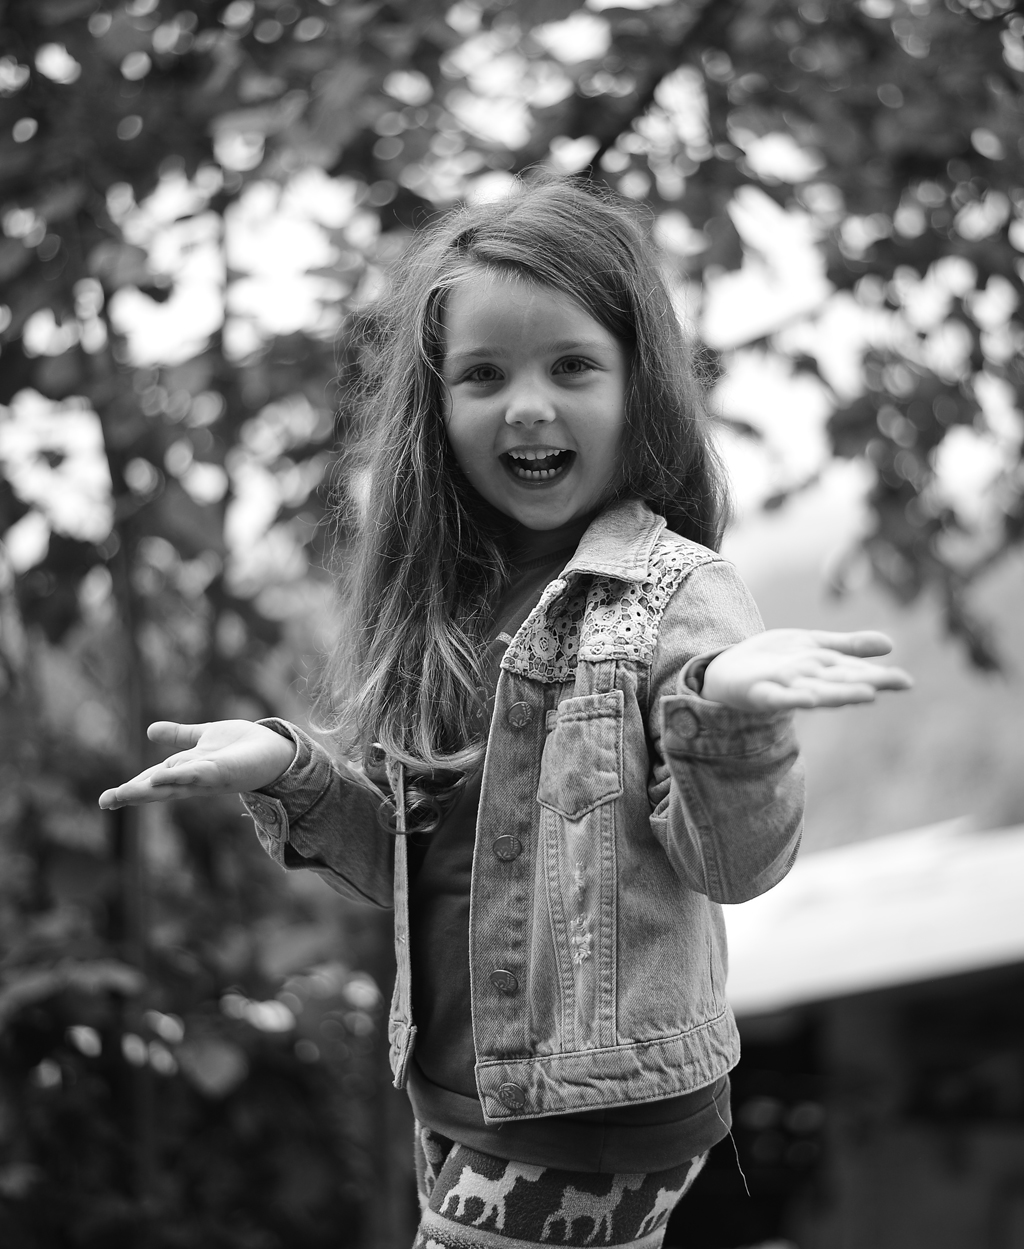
580	344
472	353
493	353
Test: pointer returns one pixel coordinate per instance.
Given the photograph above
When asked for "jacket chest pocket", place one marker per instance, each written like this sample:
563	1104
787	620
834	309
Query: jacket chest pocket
581	766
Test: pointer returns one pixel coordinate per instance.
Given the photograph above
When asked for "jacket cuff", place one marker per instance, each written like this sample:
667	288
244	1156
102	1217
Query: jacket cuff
271	820
691	725
691	676
307	776
274	808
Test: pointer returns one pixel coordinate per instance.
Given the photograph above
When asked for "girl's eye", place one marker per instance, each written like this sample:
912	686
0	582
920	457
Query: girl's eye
573	364
483	373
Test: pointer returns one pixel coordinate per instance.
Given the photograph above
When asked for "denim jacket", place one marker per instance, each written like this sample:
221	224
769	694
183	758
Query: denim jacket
618	810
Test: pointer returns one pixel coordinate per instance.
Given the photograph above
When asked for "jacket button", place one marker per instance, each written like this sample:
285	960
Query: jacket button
507	848
685	723
512	1096
505	982
519	715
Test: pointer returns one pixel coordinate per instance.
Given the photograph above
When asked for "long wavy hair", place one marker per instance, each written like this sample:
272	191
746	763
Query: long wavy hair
423	558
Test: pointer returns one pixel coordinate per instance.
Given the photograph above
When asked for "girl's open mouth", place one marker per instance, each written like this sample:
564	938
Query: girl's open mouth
538	466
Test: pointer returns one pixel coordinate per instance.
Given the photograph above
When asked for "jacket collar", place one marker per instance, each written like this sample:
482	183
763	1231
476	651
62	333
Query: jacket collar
618	543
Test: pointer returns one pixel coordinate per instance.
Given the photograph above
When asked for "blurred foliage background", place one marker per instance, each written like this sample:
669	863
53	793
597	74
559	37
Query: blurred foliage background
194	201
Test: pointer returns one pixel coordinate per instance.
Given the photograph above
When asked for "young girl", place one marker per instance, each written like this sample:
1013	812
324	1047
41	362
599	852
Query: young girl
563	702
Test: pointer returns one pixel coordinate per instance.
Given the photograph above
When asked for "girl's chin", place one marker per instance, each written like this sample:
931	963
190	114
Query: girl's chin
546	514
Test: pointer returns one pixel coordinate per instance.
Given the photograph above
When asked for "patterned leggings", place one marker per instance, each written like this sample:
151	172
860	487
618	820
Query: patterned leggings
471	1200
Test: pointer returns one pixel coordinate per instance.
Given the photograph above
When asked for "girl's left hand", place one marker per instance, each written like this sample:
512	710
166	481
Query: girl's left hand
785	669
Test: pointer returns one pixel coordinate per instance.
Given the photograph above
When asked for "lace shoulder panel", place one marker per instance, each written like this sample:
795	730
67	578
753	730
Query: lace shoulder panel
599	618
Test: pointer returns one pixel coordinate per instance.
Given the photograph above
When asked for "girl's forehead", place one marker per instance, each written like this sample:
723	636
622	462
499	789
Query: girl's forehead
490	300
484	283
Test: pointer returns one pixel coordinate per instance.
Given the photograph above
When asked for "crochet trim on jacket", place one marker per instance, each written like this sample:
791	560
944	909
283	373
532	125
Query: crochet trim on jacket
600	618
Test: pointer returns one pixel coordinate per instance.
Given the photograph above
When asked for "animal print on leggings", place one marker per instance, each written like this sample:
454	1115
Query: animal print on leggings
471	1200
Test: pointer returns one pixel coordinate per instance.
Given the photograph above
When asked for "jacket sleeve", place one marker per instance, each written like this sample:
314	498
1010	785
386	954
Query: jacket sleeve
317	817
726	788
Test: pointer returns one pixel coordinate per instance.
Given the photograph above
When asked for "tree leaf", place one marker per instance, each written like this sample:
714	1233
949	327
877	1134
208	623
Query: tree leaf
14	257
60	202
215	1066
25	988
119	264
56	12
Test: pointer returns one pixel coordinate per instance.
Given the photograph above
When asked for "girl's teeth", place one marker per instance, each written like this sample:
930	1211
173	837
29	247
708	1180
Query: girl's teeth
537	466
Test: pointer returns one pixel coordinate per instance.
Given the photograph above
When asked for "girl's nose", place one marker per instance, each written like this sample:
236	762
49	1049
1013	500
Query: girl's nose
529	404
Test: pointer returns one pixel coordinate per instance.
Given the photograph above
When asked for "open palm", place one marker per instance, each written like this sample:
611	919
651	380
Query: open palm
786	669
222	757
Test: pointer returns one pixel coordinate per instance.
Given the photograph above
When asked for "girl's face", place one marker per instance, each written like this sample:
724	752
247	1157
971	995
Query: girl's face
536	399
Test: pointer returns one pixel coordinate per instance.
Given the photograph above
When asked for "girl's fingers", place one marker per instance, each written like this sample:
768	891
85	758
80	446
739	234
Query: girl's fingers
835	693
877	676
770	696
127	796
139	789
805	692
159	784
203	772
176	777
857	673
170	733
896	679
864	642
785	669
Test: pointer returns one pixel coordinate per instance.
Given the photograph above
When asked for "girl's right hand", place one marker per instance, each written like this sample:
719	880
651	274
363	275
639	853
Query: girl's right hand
222	757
